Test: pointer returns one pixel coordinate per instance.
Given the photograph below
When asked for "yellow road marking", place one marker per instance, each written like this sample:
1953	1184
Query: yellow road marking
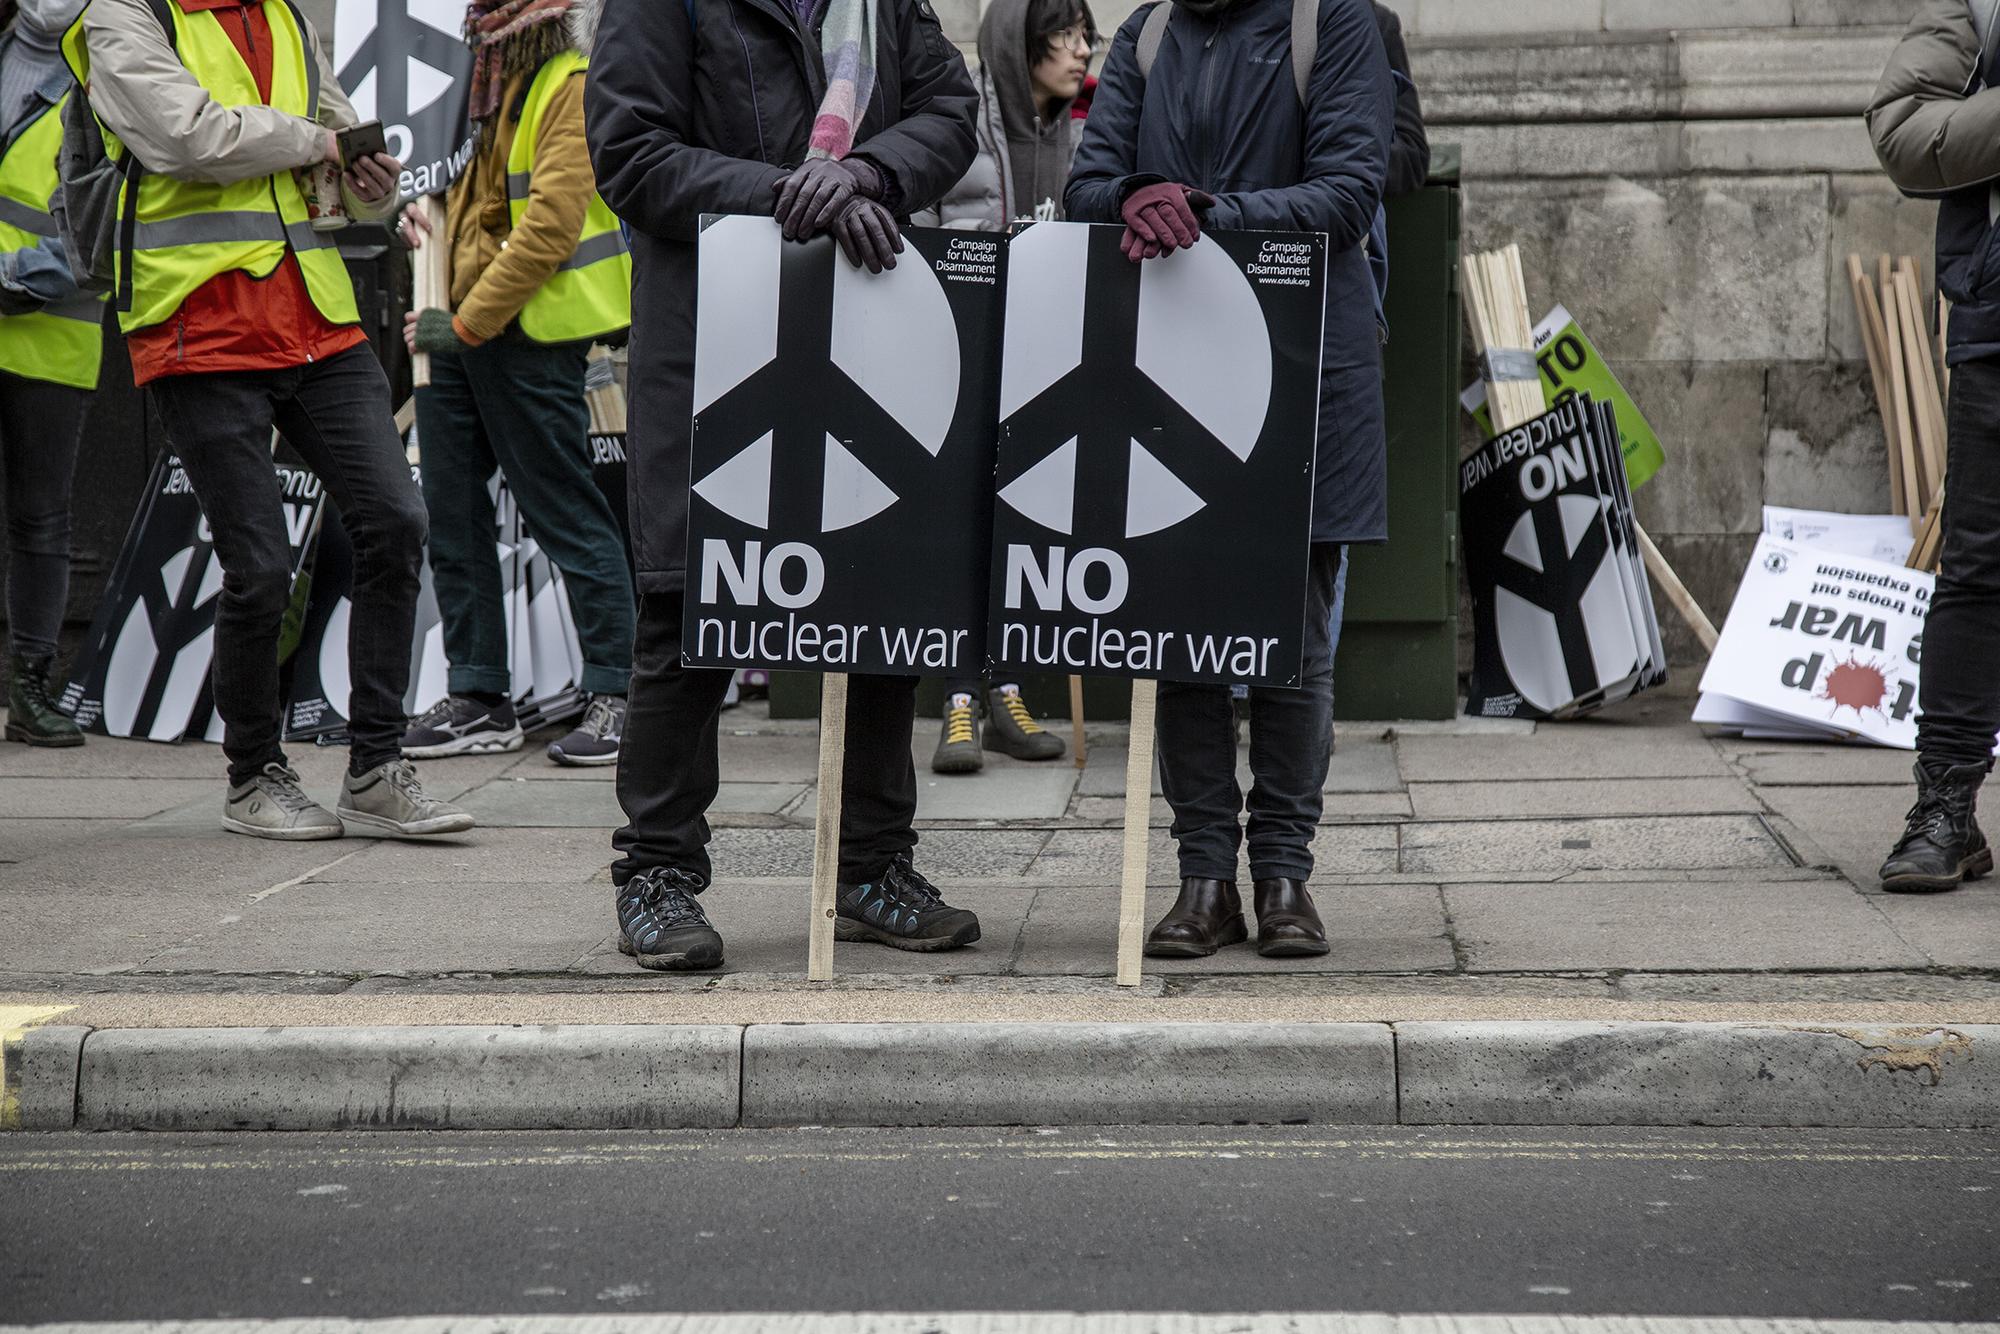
14	1021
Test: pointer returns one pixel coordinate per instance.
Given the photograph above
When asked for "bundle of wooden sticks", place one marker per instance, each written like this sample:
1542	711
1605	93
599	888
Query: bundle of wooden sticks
1906	363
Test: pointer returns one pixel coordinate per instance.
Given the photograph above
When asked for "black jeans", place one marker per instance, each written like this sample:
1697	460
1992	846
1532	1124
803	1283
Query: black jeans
519	405
40	426
669	770
1291	742
336	414
1960	686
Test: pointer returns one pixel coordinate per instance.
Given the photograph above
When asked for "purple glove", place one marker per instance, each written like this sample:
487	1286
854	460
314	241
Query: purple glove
868	235
1162	218
812	197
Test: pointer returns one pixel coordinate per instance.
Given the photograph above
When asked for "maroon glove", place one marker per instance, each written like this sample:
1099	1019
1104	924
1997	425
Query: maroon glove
868	235
813	196
1162	218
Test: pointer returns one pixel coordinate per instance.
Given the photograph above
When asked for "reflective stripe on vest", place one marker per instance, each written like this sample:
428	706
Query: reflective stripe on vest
590	293
62	343
190	231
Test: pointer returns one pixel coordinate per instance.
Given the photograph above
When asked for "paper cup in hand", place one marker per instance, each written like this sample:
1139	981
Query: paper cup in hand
320	184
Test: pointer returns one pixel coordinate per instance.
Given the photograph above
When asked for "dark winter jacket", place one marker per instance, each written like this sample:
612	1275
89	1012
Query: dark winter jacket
687	117
1221	113
1937	131
1410	154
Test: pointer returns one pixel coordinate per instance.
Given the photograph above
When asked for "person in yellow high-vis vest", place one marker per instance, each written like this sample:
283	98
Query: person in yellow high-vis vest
538	270
239	315
51	340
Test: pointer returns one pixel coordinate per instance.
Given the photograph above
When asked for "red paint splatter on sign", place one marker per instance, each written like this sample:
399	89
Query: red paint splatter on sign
1855	685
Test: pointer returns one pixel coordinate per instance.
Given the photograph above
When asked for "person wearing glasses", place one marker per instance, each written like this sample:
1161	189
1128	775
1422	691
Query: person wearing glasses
1034	56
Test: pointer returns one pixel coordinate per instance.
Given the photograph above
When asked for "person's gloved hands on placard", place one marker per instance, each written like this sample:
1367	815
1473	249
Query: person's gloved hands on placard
810	200
1162	218
868	235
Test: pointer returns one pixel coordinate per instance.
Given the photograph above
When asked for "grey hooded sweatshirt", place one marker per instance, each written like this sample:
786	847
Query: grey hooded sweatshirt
1023	160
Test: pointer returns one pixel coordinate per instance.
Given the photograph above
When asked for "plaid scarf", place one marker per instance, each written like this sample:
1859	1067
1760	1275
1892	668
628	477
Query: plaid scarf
847	45
507	37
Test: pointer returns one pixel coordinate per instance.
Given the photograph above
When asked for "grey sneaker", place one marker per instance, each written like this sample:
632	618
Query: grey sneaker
389	798
595	740
273	805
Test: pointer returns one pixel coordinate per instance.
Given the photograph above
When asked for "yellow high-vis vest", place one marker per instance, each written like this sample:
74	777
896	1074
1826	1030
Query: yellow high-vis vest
590	296
179	234
62	343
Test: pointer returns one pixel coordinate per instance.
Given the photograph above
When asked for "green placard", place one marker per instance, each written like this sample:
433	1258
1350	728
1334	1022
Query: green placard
1570	365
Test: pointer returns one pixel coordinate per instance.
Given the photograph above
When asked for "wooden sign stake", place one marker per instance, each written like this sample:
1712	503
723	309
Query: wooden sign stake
1138	832
1076	718
430	280
826	826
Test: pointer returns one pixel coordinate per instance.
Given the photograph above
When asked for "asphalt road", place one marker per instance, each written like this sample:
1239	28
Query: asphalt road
1901	1225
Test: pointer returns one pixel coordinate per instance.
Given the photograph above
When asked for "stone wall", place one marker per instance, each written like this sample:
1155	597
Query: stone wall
1688	177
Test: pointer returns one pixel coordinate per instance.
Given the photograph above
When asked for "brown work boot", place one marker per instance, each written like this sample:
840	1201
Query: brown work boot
1207	916
1288	925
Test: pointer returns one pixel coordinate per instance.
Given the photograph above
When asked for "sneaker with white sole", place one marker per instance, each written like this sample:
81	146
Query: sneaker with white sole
595	740
273	805
457	725
390	798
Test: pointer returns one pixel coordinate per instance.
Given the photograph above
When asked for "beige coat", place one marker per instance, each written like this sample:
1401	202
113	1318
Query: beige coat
149	99
1931	137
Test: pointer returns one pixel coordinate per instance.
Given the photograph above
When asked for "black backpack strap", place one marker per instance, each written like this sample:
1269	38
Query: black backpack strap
133	171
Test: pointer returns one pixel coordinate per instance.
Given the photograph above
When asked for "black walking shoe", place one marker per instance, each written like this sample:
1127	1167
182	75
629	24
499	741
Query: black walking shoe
904	911
958	739
458	725
1012	730
662	926
1942	847
32	716
595	740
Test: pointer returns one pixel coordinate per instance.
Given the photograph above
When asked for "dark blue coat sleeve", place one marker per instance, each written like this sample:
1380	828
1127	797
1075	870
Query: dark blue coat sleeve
1350	122
1104	171
638	108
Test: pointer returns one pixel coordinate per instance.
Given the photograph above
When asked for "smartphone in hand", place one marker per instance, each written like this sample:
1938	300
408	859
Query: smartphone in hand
359	141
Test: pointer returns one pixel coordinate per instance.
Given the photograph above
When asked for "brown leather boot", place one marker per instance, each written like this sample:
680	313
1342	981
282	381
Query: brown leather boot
1288	925
1207	916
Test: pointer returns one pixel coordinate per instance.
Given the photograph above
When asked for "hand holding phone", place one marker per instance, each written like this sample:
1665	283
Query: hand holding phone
360	141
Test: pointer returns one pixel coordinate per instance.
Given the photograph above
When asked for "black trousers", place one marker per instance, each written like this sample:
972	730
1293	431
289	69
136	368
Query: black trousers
1960	686
669	770
1291	743
336	414
40	427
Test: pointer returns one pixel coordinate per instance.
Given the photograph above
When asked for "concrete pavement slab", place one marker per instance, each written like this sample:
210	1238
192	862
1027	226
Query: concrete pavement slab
546	856
1573	924
38	1070
121	757
126	861
1800	765
1855	826
1363	761
553	804
581	1077
1565	796
1717	1075
101	798
399	926
942	854
1097	855
1008	1074
27	839
1956	930
1468	850
1073	931
1005	790
1599	748
1340	808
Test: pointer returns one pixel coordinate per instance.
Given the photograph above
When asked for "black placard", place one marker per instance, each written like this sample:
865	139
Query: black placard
404	63
1158	426
843	453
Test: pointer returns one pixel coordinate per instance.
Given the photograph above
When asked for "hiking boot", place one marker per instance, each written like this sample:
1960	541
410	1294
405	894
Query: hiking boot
903	911
958	740
461	725
662	926
273	805
32	716
1207	916
595	740
1012	730
1942	846
389	798
1288	925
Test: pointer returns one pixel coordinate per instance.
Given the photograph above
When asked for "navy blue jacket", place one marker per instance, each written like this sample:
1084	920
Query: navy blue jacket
1221	113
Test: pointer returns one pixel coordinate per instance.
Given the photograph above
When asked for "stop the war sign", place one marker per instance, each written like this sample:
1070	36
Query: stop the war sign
842	470
1155	470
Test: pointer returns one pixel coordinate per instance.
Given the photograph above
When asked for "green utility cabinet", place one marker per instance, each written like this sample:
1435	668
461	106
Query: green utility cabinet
1399	641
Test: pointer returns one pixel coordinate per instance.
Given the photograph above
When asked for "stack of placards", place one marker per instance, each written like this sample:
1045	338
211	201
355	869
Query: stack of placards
1877	536
1819	645
1563	616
